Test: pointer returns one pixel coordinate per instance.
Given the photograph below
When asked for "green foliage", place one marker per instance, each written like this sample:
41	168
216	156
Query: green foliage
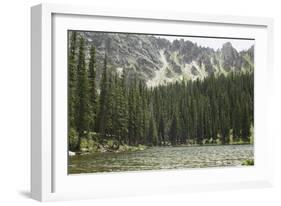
120	117
88	145
248	162
152	134
216	110
73	139
93	96
161	131
174	131
82	94
102	118
83	145
72	77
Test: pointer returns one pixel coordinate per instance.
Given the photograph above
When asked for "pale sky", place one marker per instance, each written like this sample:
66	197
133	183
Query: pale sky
215	43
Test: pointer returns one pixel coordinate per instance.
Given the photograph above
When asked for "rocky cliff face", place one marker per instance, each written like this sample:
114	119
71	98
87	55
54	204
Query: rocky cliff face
159	61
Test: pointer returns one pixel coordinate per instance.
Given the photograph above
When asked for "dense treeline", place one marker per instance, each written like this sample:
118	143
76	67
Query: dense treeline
217	110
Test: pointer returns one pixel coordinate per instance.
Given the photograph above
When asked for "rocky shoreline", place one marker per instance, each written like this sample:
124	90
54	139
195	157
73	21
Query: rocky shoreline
90	146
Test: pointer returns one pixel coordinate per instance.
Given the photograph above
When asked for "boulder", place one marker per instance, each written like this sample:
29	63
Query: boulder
70	153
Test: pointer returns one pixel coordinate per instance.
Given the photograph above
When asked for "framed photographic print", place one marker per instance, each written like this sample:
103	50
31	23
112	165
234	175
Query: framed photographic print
134	102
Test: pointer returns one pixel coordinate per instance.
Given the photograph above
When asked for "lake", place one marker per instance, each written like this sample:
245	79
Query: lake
156	158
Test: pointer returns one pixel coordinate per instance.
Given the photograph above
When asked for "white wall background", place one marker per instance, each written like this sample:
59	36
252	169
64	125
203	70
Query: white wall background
15	101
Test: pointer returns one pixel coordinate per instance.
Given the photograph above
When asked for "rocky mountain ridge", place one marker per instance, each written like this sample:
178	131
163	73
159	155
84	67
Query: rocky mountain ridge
156	60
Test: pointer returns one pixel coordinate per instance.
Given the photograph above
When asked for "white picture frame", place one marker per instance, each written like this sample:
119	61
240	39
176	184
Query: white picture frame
49	179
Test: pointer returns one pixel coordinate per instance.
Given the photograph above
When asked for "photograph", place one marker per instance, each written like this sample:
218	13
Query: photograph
149	102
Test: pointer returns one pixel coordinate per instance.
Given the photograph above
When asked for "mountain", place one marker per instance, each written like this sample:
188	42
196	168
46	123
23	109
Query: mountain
156	60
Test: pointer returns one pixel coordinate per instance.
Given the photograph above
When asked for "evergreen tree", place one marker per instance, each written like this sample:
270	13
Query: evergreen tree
82	102
236	121
72	65
102	118
132	115
200	120
123	112
152	134
174	130
128	111
110	106
144	115
162	130
224	119
92	88
120	114
246	125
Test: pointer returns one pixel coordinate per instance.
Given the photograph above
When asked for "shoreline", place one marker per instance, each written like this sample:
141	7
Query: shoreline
207	145
127	148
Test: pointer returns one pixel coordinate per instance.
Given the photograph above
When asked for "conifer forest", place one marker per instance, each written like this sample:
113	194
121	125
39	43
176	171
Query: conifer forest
133	93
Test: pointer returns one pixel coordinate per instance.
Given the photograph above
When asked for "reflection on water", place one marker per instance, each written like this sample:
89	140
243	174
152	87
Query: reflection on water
162	158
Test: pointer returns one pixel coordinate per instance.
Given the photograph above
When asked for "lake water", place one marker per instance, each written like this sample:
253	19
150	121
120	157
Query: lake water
156	158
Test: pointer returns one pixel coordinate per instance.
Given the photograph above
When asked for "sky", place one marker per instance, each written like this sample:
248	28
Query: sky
215	43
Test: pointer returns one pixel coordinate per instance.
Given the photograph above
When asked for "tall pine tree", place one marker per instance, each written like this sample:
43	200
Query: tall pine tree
101	124
82	94
93	88
152	133
72	77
